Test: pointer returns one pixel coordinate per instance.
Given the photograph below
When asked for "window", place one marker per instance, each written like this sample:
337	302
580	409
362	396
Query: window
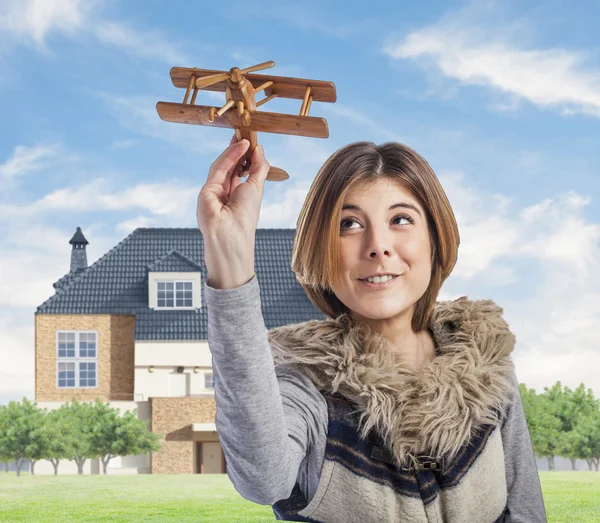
175	294
77	359
208	381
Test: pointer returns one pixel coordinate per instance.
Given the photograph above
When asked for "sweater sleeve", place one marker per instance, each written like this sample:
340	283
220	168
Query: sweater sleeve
525	500
267	418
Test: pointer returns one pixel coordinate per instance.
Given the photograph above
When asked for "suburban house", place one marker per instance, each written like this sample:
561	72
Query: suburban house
131	329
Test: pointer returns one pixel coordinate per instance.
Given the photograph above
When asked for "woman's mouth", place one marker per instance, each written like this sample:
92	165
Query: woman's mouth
382	285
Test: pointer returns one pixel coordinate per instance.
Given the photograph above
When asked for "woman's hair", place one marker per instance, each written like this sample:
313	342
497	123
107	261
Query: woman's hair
316	252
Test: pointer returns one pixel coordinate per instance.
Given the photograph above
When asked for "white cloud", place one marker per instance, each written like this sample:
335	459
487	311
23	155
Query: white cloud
298	16
17	343
123	144
487	233
476	50
128	226
28	269
172	201
360	118
152	45
565	239
551	232
32	21
35	19
27	159
27	272
138	114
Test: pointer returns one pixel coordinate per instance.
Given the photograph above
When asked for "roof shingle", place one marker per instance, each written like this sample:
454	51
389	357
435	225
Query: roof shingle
117	283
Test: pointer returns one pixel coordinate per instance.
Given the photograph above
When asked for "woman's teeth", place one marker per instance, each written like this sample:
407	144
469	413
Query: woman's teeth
380	279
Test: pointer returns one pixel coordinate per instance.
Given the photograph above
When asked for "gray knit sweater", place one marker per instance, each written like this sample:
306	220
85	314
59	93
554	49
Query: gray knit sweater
272	421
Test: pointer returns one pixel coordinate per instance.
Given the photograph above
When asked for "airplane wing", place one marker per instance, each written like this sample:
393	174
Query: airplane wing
260	121
283	86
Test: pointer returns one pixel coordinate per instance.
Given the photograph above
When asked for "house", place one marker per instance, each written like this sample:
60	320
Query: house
131	329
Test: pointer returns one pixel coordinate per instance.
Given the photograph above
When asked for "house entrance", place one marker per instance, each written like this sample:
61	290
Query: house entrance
210	458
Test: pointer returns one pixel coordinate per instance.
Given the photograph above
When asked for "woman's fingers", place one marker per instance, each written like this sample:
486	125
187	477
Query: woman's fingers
234	183
260	167
223	165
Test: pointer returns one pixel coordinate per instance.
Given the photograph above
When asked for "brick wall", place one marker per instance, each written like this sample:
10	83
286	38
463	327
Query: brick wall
116	356
172	418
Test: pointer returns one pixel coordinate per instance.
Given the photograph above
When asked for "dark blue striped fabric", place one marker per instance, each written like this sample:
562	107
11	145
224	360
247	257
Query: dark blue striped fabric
372	460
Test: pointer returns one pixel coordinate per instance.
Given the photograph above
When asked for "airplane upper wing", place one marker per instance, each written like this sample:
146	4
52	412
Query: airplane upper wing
283	87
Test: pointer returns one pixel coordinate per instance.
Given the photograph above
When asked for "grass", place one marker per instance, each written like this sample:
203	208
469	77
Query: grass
570	497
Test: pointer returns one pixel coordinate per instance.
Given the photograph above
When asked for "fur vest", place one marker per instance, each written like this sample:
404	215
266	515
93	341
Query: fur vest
435	410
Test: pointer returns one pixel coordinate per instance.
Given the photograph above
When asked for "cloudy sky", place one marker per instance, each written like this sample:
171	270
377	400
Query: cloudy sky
502	100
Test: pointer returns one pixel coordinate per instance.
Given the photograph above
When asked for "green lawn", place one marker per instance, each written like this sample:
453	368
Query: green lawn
570	497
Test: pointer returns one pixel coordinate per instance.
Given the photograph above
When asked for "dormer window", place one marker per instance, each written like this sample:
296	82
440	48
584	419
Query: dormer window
174	283
176	294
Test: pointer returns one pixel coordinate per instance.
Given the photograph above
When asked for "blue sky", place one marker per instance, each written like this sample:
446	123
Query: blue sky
502	100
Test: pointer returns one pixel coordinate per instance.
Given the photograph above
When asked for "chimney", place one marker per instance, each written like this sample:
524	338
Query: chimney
78	255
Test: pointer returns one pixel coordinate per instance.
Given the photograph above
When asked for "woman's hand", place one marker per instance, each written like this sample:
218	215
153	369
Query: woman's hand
227	213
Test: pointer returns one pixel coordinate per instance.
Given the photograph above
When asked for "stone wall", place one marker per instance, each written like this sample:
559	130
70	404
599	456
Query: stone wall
172	418
116	356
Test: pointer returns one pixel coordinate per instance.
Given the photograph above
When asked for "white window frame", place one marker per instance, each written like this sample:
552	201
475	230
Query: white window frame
212	389
76	360
175	282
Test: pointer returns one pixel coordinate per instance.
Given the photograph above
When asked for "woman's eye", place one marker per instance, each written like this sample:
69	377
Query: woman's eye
351	220
346	221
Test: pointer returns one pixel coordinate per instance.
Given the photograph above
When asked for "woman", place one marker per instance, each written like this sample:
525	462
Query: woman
396	407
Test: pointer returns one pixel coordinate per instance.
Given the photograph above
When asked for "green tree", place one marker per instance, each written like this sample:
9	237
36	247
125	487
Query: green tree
587	439
115	435
561	405
4	455
77	427
38	444
105	422
544	427
19	421
135	437
57	422
575	406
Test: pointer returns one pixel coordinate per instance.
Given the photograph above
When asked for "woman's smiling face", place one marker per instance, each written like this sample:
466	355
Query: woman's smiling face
378	237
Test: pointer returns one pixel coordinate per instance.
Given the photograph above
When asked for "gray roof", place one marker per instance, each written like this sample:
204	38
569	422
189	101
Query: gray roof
117	283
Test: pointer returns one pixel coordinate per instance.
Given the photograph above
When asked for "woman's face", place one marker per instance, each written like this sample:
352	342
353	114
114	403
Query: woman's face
377	237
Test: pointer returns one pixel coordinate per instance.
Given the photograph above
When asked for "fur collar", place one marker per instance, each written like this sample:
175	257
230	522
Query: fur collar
436	409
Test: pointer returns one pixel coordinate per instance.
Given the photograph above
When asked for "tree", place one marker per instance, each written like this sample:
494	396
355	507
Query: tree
587	439
590	430
58	448
38	444
544	427
19	421
563	422
115	435
102	436
559	399
574	407
135	436
77	426
4	455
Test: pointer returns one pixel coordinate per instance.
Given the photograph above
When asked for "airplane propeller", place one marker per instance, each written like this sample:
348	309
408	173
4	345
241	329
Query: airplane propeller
233	74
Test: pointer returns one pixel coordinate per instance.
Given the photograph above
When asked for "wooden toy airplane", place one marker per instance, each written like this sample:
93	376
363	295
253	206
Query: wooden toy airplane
240	89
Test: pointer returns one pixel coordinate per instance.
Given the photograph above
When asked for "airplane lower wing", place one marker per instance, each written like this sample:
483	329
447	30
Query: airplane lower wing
260	121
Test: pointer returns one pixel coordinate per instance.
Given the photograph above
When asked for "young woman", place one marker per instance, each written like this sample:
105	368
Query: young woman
396	407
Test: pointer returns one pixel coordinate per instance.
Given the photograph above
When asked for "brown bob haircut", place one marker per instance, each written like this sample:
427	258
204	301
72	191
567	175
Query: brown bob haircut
316	250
